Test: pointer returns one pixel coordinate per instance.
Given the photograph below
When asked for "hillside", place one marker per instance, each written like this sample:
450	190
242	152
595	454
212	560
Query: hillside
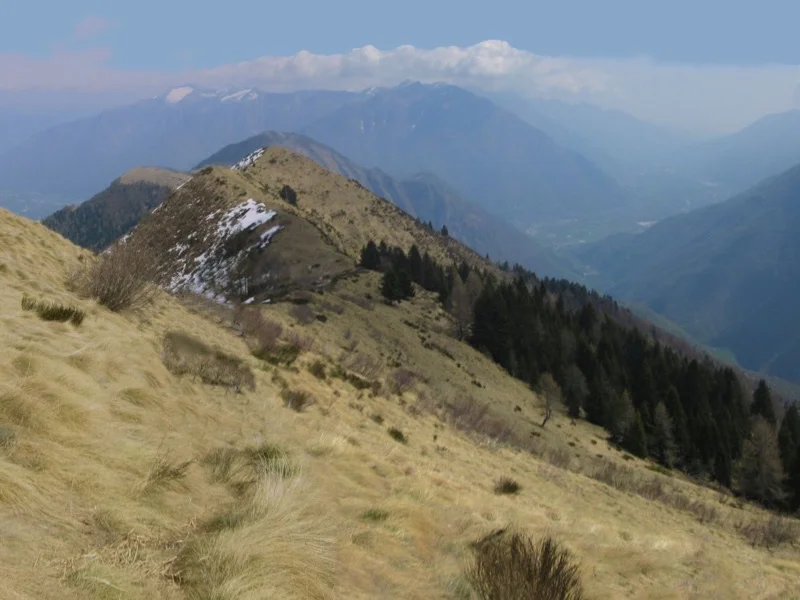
727	273
110	214
740	160
489	155
122	477
423	196
174	130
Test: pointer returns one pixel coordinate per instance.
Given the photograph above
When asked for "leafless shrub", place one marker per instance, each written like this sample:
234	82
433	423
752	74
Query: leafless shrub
264	332
296	400
303	342
359	301
473	416
512	566
772	532
119	279
302	313
401	380
368	367
334	308
184	355
558	457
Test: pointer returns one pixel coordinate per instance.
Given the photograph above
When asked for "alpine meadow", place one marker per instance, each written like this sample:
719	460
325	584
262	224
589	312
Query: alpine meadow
312	302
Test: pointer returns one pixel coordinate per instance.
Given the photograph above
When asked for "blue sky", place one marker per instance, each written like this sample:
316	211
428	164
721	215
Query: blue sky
174	34
706	66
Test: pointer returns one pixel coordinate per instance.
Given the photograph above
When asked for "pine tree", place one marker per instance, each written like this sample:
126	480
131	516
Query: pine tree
620	415
575	390
415	264
760	474
370	257
789	437
405	285
390	287
636	439
663	448
762	403
793	483
444	231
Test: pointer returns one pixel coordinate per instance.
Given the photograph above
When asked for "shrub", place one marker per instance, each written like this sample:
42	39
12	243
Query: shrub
401	380
771	533
317	369
296	400
366	366
285	355
511	566
264	332
506	485
303	313
398	435
184	355
119	279
288	195
48	311
354	380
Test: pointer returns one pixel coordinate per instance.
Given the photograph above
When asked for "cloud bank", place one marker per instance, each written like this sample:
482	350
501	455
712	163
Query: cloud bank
700	98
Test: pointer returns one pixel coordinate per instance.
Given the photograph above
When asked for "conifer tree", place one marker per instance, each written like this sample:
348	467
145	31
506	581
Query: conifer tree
390	287
663	447
762	403
761	474
370	257
444	231
789	437
636	439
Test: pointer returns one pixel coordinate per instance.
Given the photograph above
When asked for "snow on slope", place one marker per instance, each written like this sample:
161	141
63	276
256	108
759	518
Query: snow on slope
209	272
248	160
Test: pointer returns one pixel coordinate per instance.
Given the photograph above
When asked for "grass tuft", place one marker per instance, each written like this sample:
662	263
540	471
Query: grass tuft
398	435
506	485
51	311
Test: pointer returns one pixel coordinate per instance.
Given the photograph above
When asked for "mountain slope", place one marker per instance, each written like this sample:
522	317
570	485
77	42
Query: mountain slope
120	477
174	131
735	162
109	215
727	273
488	154
424	196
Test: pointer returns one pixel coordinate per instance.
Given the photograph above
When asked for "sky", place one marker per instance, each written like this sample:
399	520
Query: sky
704	66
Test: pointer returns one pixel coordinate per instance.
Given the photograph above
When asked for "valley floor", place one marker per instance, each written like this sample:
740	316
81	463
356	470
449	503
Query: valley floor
119	479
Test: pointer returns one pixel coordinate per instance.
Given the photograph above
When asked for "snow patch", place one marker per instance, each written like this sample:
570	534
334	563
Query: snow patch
247	94
177	94
209	273
249	160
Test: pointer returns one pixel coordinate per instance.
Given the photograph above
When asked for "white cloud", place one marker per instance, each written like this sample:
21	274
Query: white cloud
693	97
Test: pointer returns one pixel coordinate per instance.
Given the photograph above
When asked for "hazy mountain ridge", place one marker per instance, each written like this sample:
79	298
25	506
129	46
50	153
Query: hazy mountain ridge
424	196
488	154
727	273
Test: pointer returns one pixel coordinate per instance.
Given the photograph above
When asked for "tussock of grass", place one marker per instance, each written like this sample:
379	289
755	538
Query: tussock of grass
52	311
397	435
282	355
317	369
357	382
511	566
164	471
506	485
184	355
375	514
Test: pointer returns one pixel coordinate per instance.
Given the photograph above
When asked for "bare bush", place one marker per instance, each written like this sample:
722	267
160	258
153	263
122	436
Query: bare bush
302	313
184	355
264	332
473	416
401	381
368	367
119	279
296	400
772	532
512	566
303	342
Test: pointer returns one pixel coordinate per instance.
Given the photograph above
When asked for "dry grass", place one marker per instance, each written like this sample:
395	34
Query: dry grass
511	566
52	311
184	355
272	503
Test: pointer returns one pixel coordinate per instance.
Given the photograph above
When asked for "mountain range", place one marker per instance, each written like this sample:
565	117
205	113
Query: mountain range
424	196
728	273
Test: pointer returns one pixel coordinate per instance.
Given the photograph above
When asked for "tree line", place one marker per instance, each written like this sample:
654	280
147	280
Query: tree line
656	401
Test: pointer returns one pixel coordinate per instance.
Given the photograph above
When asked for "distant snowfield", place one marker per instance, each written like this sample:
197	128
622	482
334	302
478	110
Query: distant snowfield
176	95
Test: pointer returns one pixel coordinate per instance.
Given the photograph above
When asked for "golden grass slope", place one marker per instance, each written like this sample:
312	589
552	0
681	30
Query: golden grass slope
154	175
119	479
